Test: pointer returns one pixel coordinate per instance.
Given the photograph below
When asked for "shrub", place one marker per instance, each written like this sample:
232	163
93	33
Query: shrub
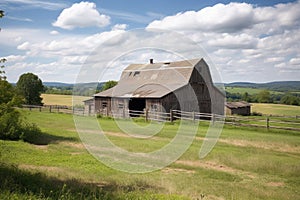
31	133
10	123
13	128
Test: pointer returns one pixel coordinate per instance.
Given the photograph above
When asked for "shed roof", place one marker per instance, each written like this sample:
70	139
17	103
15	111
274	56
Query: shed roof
152	80
234	105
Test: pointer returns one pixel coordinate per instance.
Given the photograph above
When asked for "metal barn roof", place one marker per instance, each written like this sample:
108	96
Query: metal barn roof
151	80
234	105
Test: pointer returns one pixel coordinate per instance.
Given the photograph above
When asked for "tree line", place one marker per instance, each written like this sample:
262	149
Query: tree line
265	96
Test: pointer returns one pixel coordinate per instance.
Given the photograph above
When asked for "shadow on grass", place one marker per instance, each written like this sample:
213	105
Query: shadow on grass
43	138
26	184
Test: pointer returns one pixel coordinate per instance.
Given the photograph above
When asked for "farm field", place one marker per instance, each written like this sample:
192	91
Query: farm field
56	99
275	109
246	163
250	91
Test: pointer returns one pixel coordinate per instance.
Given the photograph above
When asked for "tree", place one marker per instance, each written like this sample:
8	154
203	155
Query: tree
109	84
290	99
2	72
30	88
264	96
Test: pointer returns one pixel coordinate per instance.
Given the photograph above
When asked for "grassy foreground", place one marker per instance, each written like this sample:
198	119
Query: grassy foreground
245	164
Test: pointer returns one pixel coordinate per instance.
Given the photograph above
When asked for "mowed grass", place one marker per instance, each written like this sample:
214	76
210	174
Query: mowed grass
66	100
275	109
245	164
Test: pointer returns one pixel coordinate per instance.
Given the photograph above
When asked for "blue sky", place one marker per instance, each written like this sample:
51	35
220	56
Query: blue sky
254	41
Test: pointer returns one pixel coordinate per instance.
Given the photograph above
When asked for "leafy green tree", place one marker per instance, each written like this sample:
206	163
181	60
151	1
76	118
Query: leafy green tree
109	84
30	88
246	97
264	96
2	72
290	99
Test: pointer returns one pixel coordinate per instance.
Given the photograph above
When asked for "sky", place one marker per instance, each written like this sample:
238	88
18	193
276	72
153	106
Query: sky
249	41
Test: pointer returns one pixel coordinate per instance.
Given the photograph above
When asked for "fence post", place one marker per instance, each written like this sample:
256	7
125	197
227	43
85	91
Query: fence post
193	115
268	123
40	108
50	108
213	118
58	109
146	114
171	115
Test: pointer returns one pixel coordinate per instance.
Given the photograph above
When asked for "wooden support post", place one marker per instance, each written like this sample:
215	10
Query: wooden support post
268	123
171	115
40	108
146	111
193	115
50	108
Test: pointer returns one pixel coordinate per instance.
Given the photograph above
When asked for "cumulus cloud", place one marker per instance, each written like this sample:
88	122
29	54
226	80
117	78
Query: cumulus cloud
23	46
83	14
119	27
232	17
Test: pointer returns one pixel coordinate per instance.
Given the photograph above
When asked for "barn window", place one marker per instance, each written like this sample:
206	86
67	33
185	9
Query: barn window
121	105
104	105
136	73
154	107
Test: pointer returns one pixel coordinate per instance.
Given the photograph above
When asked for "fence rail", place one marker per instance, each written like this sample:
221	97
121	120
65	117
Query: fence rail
268	122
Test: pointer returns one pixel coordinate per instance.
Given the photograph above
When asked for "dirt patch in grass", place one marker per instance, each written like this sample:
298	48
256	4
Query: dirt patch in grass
169	170
275	184
259	144
263	145
216	166
73	144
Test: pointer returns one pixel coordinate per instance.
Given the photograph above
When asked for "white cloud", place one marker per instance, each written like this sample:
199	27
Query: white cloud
14	58
295	61
119	27
83	14
242	41
54	32
232	17
23	46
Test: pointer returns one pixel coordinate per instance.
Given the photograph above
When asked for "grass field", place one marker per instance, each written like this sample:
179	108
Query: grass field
275	109
250	91
56	99
245	164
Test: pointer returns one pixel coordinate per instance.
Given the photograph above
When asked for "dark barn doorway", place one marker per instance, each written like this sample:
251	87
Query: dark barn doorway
136	104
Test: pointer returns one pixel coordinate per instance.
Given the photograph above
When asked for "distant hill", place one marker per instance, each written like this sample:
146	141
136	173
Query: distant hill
280	86
57	84
70	85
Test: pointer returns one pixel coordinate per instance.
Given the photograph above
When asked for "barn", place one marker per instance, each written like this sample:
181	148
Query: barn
238	108
184	85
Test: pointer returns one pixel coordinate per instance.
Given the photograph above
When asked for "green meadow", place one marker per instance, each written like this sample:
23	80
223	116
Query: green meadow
246	163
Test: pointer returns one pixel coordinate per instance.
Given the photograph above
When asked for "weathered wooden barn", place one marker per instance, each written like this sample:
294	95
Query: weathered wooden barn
182	85
238	108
